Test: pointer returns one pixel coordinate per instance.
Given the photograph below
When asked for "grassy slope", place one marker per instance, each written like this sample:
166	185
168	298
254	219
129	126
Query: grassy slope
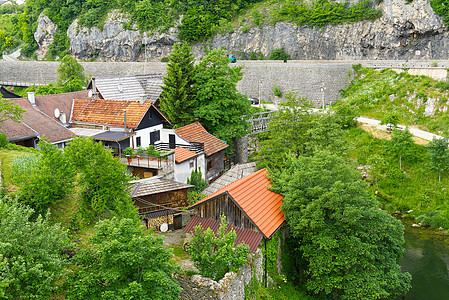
378	93
415	187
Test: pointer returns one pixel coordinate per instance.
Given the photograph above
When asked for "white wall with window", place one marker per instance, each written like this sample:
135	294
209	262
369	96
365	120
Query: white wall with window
143	136
184	169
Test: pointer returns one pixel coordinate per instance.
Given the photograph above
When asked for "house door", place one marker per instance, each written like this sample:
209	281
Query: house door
171	141
177	221
154	137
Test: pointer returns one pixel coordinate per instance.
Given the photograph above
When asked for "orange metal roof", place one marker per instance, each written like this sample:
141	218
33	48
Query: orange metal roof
252	195
182	154
108	112
195	132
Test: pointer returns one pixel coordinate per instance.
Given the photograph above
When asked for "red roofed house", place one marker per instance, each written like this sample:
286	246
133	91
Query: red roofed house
213	147
36	124
247	203
187	161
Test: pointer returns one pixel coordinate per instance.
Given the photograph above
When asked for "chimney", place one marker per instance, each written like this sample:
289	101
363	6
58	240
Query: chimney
31	98
94	88
63	118
142	100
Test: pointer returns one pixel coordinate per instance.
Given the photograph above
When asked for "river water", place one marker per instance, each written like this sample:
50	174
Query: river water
427	259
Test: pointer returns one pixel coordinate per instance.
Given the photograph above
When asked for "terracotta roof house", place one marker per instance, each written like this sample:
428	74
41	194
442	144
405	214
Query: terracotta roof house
34	126
187	161
131	88
159	200
213	147
247	203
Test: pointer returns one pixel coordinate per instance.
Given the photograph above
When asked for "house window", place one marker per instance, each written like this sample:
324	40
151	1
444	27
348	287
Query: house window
138	142
154	137
209	164
191	165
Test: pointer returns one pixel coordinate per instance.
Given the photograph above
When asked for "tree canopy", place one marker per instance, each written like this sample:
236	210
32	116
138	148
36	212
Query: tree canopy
71	74
220	105
346	247
31	253
439	155
123	262
9	111
178	100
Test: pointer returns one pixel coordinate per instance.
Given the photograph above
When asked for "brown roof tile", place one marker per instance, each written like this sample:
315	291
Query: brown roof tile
260	204
108	112
63	102
35	121
245	236
182	154
195	132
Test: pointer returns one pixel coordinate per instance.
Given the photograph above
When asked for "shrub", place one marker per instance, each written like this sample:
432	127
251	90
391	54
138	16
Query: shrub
3	140
276	91
196	179
215	255
279	54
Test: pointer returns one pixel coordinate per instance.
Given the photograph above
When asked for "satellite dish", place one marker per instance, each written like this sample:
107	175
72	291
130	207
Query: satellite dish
57	113
164	227
89	94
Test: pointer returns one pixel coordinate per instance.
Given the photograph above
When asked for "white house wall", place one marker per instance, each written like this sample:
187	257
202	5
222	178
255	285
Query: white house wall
144	135
178	140
183	170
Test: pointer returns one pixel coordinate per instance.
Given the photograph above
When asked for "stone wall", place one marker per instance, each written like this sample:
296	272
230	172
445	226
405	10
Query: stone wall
231	287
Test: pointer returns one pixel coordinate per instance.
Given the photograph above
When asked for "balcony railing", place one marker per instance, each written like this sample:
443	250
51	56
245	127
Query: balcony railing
195	147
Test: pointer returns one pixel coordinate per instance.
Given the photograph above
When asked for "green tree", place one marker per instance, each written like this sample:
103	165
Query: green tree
346	114
45	182
31	253
123	262
439	155
196	179
346	247
71	74
178	100
103	180
400	143
390	119
295	129
220	105
10	111
279	54
215	255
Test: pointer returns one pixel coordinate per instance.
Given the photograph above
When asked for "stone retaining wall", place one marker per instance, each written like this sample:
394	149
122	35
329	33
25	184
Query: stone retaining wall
231	287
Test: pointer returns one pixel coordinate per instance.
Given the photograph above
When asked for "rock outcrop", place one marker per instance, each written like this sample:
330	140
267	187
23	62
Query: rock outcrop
114	43
405	31
44	35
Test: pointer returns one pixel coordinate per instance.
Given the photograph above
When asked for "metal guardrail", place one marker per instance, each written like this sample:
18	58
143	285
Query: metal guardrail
259	122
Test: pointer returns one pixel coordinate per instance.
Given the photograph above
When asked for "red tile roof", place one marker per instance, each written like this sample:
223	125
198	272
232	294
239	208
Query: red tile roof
243	236
195	132
35	122
183	154
251	193
108	112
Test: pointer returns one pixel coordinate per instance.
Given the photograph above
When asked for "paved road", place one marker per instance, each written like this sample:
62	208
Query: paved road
425	135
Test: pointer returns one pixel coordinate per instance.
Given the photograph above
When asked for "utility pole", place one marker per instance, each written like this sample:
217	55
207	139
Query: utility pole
323	88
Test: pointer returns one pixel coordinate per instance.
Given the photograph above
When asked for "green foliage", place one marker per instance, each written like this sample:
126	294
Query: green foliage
177	100
390	118
348	247
220	105
129	262
439	155
193	197
324	12
279	54
9	111
441	7
276	91
295	129
346	115
102	181
23	167
3	140
215	255
196	179
71	74
400	143
31	253
46	181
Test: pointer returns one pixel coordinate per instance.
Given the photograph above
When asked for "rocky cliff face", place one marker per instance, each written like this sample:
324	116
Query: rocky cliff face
405	31
44	35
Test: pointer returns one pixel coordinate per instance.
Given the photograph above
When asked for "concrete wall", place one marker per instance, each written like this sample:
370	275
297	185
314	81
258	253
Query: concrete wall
259	77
